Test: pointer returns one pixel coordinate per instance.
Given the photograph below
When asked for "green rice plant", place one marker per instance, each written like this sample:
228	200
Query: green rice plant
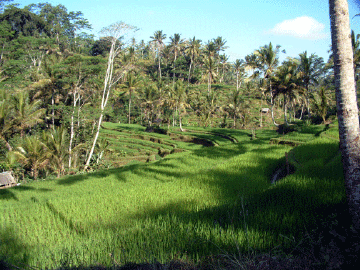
188	205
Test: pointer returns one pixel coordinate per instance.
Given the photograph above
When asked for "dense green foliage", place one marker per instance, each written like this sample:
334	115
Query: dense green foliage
57	72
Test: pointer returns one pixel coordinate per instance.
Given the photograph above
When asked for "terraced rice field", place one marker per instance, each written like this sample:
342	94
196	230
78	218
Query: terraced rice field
193	204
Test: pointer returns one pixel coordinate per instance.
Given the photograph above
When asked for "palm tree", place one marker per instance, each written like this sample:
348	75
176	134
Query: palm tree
224	63
347	109
46	90
149	99
180	99
158	38
193	50
176	45
47	86
210	49
219	43
239	70
56	143
311	68
266	62
131	56
209	107
27	114
251	63
130	85
321	102
6	121
33	153
235	101
210	69
142	48
286	81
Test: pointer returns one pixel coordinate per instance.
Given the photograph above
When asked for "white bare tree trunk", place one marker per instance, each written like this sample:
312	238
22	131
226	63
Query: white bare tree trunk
76	98
113	32
105	97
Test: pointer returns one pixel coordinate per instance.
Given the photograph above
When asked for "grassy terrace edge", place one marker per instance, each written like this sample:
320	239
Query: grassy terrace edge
203	202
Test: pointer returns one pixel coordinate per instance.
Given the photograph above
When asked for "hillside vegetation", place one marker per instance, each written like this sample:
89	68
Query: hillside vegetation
59	84
195	204
161	150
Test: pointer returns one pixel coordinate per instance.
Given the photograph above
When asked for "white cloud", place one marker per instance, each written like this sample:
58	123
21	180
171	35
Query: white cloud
301	27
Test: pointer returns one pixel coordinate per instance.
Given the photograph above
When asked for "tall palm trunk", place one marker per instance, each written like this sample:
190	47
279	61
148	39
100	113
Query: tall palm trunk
237	81
285	111
174	68
180	121
130	105
159	67
209	83
272	105
159	63
261	113
191	61
347	108
308	102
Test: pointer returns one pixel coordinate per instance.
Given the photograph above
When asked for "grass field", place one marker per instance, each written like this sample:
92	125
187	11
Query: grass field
189	205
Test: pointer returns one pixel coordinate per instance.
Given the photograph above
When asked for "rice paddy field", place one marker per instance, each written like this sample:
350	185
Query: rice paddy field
190	196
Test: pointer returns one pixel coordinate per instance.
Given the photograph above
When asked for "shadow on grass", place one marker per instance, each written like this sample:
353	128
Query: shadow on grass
221	152
266	221
130	128
160	171
9	193
207	151
12	250
166	170
326	127
74	179
233	135
250	213
264	216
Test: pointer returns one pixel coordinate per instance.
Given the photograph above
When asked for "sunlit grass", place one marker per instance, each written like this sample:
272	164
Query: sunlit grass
211	200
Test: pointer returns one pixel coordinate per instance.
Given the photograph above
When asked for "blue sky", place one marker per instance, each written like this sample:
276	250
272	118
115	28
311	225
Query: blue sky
297	26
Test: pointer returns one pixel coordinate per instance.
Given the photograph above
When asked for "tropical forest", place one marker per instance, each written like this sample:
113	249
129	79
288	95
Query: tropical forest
162	153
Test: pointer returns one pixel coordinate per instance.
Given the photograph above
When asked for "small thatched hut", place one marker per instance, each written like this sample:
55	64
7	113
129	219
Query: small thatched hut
7	180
